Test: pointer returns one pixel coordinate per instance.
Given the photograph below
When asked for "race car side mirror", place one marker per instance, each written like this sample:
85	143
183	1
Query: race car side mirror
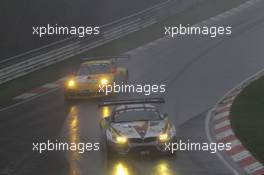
107	119
165	115
114	70
73	73
104	122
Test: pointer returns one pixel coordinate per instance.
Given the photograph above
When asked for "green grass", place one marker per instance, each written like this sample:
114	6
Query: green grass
194	14
248	118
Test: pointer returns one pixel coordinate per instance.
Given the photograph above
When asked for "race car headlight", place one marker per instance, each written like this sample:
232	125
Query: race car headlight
164	137
71	83
104	81
121	139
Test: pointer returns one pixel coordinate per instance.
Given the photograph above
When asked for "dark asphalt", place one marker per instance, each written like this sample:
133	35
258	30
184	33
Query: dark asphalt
18	18
197	71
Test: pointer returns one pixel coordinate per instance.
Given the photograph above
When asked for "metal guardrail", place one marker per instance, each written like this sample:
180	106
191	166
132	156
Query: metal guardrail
26	63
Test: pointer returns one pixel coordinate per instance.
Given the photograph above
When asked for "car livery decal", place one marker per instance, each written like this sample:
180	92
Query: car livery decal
141	128
132	129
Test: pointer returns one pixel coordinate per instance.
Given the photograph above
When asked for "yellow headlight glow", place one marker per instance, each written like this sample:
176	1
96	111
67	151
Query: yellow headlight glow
164	137
106	111
71	83
121	139
120	169
104	81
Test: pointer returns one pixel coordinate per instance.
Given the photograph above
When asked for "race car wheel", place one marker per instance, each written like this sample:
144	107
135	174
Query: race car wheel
66	96
109	152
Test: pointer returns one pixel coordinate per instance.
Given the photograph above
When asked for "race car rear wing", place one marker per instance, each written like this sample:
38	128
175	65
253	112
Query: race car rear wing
132	101
114	58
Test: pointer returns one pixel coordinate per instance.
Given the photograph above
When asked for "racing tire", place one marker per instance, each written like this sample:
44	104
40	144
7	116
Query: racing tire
66	96
110	154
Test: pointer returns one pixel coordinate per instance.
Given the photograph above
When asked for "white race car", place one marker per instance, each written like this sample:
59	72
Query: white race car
137	125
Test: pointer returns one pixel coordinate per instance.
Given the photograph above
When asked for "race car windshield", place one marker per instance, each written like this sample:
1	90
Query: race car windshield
129	116
87	69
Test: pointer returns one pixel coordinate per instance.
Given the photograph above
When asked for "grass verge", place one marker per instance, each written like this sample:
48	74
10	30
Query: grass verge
248	118
192	15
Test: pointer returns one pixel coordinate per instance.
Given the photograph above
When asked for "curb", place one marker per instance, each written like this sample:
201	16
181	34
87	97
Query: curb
40	90
35	93
50	87
218	128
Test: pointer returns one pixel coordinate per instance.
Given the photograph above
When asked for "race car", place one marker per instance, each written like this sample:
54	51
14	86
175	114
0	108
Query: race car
137	126
92	75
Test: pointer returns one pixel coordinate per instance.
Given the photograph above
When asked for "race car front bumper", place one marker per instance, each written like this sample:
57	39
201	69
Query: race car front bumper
82	94
154	146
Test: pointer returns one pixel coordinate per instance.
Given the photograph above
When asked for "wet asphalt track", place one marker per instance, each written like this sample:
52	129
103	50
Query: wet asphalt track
197	72
19	17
